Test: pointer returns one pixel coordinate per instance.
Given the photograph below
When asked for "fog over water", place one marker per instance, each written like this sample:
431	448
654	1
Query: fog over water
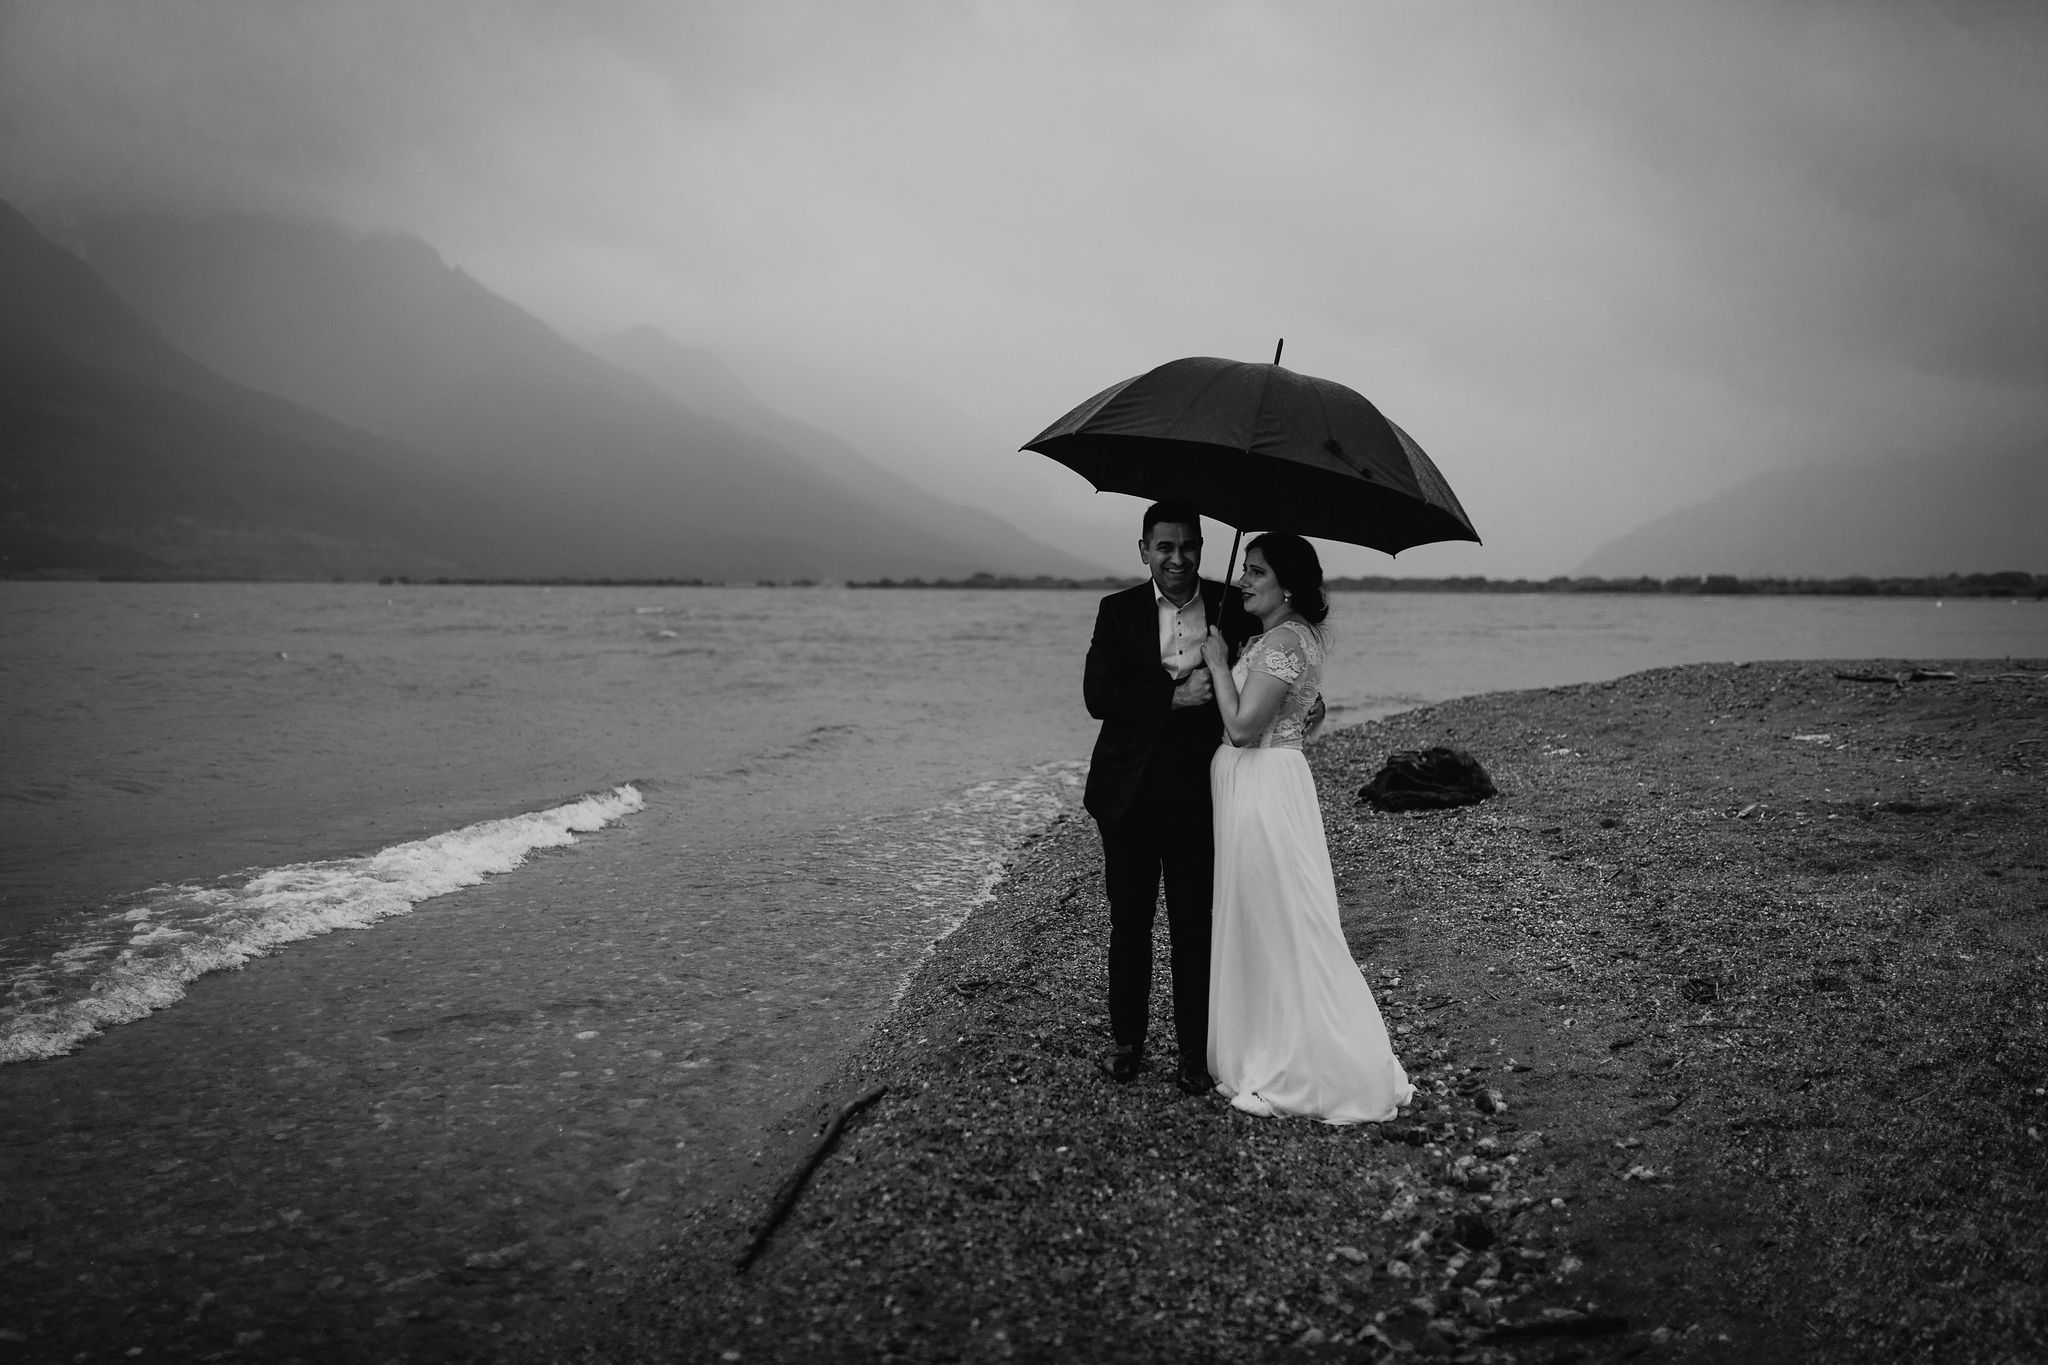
1602	261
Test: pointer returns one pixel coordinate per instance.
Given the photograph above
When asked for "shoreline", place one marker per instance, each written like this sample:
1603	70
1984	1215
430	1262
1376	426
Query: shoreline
1754	1002
2014	585
441	1138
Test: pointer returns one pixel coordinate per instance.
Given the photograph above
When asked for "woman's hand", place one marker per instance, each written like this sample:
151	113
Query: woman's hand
1216	652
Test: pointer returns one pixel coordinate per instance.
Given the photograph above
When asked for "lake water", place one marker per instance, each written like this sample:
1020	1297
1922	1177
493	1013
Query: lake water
194	774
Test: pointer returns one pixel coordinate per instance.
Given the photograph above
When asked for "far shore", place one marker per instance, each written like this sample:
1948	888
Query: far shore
2013	584
1725	1014
2009	584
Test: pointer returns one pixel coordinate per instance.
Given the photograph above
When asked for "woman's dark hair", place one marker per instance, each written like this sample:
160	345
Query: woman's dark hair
1294	562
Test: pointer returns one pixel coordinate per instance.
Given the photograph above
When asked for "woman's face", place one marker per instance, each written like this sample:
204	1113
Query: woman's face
1262	595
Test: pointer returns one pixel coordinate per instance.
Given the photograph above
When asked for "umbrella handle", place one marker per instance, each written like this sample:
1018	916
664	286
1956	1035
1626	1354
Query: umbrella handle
1231	572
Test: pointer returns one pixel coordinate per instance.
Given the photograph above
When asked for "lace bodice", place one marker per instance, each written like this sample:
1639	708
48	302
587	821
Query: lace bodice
1292	653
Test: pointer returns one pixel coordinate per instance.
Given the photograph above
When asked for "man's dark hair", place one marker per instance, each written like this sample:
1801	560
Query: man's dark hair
1176	511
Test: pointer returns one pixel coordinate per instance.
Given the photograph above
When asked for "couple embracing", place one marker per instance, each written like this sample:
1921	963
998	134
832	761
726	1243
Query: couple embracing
1205	694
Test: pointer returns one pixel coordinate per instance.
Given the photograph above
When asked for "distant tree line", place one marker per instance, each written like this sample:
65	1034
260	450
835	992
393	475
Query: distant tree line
2009	584
990	580
446	582
2012	583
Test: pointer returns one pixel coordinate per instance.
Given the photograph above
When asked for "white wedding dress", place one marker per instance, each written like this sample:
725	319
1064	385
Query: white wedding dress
1293	1028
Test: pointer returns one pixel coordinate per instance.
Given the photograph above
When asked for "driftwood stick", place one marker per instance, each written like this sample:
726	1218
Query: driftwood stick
1584	1325
793	1191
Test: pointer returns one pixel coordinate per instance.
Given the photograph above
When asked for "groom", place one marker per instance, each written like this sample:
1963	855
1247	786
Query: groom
1148	782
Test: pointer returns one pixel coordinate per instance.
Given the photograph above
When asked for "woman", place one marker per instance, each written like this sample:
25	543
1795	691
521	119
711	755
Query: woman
1293	1028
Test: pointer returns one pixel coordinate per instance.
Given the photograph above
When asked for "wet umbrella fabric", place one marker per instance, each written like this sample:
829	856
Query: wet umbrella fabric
1260	446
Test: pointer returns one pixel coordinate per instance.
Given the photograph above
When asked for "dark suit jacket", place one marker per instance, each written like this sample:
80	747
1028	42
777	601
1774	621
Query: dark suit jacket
1128	690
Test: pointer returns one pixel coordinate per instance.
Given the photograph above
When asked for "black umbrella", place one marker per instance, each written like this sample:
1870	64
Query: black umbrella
1256	445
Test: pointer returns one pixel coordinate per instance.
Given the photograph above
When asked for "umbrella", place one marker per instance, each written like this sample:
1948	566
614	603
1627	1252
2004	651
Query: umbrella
1258	445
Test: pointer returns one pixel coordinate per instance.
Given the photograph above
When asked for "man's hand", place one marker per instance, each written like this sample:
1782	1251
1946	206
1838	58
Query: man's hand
1194	690
1315	716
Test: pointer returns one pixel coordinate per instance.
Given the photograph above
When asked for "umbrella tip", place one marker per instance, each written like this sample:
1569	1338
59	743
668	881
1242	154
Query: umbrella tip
1277	347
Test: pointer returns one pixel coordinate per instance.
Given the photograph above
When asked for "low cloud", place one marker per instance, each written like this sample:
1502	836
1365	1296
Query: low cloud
1601	260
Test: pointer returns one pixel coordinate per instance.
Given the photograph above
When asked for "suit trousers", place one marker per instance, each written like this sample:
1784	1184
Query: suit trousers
1164	832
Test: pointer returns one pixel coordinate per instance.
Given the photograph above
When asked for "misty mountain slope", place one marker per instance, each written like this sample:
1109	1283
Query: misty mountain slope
57	307
699	379
1978	513
120	455
380	333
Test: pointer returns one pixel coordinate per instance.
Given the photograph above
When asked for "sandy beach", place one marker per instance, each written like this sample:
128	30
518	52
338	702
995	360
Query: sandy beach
1727	1014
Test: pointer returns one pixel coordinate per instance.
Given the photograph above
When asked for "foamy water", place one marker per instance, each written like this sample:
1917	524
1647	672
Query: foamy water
941	863
131	961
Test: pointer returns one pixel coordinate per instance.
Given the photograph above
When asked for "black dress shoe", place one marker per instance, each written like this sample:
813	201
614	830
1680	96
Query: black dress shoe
1127	1061
1194	1079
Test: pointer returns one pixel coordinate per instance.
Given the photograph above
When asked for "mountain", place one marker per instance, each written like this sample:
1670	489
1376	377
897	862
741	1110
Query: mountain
120	455
381	334
1974	513
700	380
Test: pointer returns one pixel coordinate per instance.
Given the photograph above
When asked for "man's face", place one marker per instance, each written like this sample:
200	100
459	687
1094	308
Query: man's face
1172	553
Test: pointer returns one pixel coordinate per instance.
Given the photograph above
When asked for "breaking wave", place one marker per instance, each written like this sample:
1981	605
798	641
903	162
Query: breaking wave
130	961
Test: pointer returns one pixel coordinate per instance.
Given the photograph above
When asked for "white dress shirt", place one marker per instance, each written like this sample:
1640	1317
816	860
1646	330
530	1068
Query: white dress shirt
1181	632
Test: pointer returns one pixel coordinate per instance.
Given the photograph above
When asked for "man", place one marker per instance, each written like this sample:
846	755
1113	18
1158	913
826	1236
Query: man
1148	782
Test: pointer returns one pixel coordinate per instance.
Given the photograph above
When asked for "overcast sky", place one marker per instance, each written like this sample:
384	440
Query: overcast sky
1601	260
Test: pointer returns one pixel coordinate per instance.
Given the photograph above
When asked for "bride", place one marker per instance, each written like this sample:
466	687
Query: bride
1293	1028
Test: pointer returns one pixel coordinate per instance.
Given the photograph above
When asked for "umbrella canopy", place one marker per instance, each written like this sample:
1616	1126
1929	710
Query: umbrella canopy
1260	446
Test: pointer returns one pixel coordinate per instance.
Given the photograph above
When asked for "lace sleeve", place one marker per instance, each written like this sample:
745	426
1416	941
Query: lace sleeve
1282	656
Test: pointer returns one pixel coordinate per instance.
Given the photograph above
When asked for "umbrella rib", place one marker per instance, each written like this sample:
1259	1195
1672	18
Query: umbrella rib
1330	430
1251	463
